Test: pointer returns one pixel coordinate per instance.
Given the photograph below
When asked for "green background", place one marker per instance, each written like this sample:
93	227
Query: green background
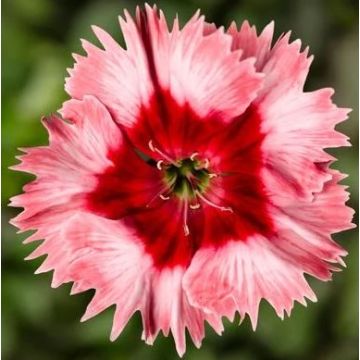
41	323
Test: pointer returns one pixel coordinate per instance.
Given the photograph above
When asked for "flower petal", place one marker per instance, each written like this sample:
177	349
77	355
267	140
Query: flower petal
65	169
251	44
118	78
296	136
163	312
235	277
106	255
305	227
284	65
157	59
182	58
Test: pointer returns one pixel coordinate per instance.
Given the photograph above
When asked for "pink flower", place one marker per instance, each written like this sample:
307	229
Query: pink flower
189	180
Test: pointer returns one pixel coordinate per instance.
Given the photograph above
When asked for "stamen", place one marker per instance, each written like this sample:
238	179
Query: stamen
207	163
212	175
193	156
195	206
210	203
166	157
163	197
151	146
186	230
185	215
158	164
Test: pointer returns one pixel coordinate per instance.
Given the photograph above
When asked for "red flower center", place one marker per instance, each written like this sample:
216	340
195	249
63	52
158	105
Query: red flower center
182	182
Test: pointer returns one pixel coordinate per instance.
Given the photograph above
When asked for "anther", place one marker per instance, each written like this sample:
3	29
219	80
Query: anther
151	146
163	197
195	206
158	164
186	230
207	163
193	156
212	175
185	216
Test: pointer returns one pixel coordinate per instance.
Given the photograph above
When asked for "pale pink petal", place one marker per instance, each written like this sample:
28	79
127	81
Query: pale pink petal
305	227
159	60
66	168
298	127
235	277
118	77
209	28
181	63
166	312
327	212
286	68
105	255
284	65
250	43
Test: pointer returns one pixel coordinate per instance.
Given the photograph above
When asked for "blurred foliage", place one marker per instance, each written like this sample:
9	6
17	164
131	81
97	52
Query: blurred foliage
40	323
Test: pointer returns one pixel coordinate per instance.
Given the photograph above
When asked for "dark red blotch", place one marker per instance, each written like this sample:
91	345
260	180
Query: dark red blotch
126	188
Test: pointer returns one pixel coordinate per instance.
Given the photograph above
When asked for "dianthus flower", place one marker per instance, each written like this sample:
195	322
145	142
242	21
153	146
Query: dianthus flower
187	177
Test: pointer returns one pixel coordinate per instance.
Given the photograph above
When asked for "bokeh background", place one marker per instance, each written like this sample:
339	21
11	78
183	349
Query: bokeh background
40	323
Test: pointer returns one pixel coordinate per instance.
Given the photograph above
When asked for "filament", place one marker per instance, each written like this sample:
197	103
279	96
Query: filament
210	203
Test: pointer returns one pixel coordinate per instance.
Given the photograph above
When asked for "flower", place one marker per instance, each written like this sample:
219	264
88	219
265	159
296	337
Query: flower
187	177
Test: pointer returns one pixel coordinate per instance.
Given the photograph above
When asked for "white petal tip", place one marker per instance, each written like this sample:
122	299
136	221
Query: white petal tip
55	284
88	315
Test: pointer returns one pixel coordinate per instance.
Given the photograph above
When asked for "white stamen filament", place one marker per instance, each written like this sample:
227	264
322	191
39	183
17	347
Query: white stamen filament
193	156
195	206
163	197
210	203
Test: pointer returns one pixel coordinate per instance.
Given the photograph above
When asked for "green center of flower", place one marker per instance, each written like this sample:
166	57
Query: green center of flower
187	178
